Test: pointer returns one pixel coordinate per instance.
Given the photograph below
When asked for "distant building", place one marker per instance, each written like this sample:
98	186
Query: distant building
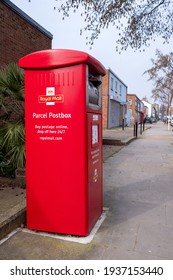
114	98
149	110
135	109
20	34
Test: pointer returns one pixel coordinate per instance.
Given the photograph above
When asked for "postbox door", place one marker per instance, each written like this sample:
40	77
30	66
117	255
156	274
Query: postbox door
95	194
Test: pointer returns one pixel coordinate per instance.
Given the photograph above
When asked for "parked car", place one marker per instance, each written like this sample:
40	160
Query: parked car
148	119
153	119
164	119
171	122
167	119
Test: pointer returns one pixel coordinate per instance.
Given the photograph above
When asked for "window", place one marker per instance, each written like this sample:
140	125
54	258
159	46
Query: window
120	90
116	86
112	83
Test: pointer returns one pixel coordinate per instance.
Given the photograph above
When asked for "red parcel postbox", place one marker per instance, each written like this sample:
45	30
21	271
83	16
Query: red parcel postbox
63	120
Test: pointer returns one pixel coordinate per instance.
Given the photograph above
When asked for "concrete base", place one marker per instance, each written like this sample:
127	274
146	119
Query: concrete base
77	239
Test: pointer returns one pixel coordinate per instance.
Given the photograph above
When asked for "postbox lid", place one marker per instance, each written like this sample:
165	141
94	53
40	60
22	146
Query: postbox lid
57	58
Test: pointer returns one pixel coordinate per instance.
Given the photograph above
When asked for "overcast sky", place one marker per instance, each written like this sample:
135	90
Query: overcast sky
129	66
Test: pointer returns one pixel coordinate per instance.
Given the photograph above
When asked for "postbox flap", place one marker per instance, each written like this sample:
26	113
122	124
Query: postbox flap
57	58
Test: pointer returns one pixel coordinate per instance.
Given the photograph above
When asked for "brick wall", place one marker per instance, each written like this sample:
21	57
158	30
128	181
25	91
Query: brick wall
105	91
132	97
18	37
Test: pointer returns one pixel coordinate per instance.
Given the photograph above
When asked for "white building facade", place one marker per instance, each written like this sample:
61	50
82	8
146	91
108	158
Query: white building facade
117	101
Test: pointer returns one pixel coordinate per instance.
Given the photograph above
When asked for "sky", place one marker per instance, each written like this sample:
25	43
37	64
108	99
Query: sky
129	66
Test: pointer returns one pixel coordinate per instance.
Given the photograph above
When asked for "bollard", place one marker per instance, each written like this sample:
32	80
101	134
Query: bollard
141	128
123	124
136	130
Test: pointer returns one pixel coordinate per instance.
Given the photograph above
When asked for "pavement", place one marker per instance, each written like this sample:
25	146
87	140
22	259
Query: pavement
138	206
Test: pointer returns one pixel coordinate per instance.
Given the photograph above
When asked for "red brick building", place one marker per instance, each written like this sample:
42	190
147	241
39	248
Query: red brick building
20	34
114	97
105	94
135	109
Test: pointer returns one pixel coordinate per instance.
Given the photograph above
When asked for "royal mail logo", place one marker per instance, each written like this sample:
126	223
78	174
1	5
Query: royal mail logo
50	91
51	98
55	98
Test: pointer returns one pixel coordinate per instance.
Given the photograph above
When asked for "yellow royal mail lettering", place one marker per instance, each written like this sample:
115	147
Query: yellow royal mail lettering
54	98
57	98
44	99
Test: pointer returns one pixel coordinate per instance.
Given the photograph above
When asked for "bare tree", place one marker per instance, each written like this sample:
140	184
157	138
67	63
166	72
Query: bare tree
162	75
136	22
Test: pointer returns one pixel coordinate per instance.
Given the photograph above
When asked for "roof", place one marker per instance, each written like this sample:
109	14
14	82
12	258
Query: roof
27	18
110	70
132	94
